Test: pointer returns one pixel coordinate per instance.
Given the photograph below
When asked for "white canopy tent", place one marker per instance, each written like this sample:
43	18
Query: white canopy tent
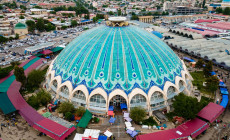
91	133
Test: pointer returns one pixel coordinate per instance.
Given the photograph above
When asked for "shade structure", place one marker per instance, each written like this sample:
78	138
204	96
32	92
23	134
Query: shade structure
56	49
78	136
91	134
211	112
102	137
46	52
193	127
224	91
213	73
222	84
158	34
85	119
112	120
47	114
110	113
111	108
5	104
162	135
123	106
224	101
188	59
38	54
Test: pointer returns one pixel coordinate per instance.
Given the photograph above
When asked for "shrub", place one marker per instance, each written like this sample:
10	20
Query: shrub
66	107
137	114
150	121
68	115
80	111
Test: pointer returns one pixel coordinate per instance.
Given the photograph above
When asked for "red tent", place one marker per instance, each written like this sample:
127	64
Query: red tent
211	112
53	129
193	127
46	52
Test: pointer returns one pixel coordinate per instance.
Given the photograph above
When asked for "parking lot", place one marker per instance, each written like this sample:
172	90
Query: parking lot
14	50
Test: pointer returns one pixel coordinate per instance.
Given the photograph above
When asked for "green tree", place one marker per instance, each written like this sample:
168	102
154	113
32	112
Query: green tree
226	11
203	4
134	17
62	21
16	36
86	16
66	107
34	79
186	106
74	23
23	7
49	27
33	101
68	115
138	114
80	111
199	64
208	69
212	83
14	63
37	7
43	97
64	27
5	71
31	25
119	12
3	39
20	75
21	17
40	25
95	19
219	10
110	13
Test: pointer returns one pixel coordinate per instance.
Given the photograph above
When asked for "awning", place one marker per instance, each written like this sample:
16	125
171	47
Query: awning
91	134
222	84
5	104
123	106
85	119
111	108
189	59
56	49
38	54
224	91
224	101
47	114
112	120
211	112
110	113
102	137
46	52
213	73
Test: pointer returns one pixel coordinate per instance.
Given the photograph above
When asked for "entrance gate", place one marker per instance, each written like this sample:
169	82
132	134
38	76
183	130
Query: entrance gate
117	100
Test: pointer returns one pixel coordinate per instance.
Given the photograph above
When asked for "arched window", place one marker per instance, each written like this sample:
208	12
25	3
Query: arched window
181	86
65	90
138	100
157	101
64	93
79	95
97	102
55	83
171	92
97	99
79	98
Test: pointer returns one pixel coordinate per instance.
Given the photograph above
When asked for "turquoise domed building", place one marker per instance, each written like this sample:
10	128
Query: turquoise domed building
117	64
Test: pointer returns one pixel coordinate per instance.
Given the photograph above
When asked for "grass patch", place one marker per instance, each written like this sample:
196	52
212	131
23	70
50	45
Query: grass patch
198	80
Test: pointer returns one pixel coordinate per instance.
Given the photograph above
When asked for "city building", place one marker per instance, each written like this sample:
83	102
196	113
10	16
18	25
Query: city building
6	28
21	29
185	10
146	19
113	65
172	5
53	5
183	18
38	11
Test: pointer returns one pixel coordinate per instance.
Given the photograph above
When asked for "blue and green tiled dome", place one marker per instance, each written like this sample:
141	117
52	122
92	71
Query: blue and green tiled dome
117	58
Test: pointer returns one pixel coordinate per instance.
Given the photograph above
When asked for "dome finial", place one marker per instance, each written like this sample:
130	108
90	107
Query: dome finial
117	22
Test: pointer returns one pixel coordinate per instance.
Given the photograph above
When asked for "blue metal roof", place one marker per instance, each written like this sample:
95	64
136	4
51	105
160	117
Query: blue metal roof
226	1
117	58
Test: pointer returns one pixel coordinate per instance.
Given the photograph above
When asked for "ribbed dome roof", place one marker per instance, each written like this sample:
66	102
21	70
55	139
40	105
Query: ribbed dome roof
20	26
117	58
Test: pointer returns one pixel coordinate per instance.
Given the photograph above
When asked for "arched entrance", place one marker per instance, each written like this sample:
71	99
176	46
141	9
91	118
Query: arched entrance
116	102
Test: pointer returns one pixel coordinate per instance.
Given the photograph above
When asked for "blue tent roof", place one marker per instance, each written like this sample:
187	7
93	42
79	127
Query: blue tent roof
123	106
213	73
223	90
158	34
189	59
224	101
